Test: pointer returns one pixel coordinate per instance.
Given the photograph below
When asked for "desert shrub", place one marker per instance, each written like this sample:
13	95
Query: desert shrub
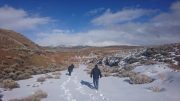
47	76
168	61
19	61
23	76
29	71
125	73
156	89
14	65
12	76
1	81
41	79
19	72
39	72
177	59
46	70
174	67
8	70
29	98
37	96
1	75
149	62
4	75
52	69
140	79
56	77
164	53
40	94
8	83
106	74
129	67
131	60
115	70
162	77
150	52
33	69
56	73
128	74
105	69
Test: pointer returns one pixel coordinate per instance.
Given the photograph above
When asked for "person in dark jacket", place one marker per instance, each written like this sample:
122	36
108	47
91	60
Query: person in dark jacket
70	69
95	74
1	97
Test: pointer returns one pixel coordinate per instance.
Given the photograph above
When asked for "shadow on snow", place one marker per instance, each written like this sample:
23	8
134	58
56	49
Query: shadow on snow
88	84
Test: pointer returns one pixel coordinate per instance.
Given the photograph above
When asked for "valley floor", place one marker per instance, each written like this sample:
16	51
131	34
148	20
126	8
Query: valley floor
79	87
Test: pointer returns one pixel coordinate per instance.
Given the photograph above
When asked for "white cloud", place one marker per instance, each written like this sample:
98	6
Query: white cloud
93	38
161	28
19	19
110	18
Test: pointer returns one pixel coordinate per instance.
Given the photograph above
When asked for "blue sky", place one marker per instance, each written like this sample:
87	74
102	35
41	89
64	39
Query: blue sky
93	22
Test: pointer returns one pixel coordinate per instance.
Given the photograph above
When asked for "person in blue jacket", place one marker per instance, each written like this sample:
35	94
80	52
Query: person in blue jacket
96	74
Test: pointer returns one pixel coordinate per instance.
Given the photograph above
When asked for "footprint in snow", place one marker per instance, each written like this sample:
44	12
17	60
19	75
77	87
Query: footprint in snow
102	96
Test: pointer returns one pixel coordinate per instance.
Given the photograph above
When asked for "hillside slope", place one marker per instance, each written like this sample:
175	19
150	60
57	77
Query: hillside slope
11	39
20	57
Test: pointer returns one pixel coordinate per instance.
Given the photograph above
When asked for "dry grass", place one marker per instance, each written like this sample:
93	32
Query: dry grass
9	84
39	60
140	79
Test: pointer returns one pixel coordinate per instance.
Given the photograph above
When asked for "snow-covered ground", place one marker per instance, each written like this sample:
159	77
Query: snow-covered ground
79	87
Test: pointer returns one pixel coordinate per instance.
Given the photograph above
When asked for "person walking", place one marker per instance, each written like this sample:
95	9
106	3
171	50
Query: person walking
70	69
1	97
95	74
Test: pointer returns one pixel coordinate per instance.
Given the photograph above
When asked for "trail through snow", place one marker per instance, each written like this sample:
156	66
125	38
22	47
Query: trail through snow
79	87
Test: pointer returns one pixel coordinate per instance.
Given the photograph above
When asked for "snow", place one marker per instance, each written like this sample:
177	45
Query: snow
165	78
78	87
151	70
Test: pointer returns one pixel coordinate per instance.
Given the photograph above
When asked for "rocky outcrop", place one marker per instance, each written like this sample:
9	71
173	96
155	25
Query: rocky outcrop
112	61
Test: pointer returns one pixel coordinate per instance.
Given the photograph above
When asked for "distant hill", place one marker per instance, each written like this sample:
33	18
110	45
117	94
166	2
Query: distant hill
11	39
